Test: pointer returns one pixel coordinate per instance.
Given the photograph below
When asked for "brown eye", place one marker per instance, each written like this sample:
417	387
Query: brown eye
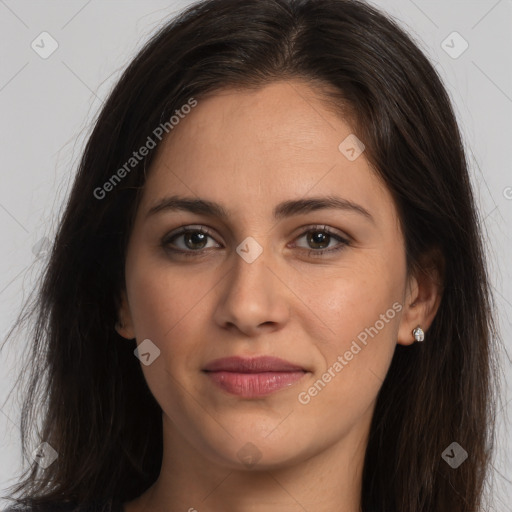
321	240
188	241
195	240
317	239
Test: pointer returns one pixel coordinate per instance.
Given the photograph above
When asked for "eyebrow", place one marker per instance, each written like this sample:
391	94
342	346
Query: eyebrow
281	211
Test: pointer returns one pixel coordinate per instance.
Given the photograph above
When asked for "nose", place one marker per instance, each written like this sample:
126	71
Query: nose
253	299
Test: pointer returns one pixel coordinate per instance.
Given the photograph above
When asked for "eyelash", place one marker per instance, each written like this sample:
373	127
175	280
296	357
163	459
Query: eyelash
311	252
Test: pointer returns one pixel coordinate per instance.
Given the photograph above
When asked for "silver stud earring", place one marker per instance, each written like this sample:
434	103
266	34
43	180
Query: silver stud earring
418	334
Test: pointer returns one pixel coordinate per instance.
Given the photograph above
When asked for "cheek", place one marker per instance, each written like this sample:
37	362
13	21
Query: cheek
359	308
165	307
169	307
351	297
163	301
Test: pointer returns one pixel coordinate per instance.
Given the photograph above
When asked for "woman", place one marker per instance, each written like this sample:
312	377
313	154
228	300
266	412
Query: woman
268	290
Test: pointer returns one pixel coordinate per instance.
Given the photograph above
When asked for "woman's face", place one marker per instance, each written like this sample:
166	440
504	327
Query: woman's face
258	284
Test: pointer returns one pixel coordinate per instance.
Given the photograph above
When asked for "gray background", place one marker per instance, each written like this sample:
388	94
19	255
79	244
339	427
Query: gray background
47	106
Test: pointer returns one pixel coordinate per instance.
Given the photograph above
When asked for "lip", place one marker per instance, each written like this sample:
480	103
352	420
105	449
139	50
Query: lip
251	365
253	377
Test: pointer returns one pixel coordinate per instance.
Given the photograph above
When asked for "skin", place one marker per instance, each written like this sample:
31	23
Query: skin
249	151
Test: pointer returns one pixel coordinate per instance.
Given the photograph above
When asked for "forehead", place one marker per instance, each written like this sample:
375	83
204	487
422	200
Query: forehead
254	147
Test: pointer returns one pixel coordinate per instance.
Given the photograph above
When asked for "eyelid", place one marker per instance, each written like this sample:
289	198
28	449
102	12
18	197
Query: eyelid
327	229
190	227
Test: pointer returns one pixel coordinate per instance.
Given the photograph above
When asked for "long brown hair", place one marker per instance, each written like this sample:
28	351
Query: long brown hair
98	412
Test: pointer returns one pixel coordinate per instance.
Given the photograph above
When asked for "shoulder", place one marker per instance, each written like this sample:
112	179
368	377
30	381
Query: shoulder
65	507
47	508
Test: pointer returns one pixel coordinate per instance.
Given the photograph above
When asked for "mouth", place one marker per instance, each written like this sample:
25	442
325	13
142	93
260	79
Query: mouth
254	377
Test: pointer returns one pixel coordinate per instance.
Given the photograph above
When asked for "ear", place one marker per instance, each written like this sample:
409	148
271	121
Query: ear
423	296
124	326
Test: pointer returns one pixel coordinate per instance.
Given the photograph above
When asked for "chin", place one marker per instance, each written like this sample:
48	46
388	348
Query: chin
258	451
